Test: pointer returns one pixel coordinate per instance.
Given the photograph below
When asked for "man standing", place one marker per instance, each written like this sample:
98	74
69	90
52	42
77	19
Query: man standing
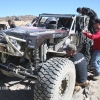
11	24
92	15
95	61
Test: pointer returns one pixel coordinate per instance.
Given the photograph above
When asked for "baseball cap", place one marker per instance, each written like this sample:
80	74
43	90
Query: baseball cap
96	21
71	47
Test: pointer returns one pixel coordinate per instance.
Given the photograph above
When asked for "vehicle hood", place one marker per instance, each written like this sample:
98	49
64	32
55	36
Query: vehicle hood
36	34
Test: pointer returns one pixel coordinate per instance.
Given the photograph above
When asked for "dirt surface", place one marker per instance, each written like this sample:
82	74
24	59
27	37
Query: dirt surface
12	88
17	23
94	91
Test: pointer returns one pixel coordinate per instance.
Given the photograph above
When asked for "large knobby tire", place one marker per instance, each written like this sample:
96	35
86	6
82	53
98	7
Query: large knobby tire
56	80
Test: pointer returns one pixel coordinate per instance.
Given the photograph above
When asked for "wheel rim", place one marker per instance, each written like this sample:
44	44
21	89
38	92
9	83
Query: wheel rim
64	86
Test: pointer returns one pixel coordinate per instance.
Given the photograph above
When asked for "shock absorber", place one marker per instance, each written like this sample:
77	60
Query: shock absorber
3	57
36	59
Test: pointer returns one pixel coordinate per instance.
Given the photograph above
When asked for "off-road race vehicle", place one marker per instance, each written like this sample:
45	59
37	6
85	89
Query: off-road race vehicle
36	53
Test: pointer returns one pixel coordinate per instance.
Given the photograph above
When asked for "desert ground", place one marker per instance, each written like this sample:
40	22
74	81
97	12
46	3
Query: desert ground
12	88
17	23
92	94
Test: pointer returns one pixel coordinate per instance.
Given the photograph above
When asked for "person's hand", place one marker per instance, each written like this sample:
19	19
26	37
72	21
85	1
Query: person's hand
89	33
83	31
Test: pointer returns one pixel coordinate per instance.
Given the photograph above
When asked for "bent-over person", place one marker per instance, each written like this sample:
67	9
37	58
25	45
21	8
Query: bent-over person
80	65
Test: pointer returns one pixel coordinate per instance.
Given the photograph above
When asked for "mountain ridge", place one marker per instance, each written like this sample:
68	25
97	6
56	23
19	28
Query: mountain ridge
22	17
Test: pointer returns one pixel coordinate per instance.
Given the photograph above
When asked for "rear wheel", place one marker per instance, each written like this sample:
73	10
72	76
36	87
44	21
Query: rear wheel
56	80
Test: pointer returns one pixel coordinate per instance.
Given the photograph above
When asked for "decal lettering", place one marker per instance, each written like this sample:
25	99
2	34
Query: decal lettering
36	33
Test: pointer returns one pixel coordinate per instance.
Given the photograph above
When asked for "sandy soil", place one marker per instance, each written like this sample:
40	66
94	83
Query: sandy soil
94	93
12	88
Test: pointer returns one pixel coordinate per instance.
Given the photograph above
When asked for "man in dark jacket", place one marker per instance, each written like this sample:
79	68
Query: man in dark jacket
92	15
80	65
11	24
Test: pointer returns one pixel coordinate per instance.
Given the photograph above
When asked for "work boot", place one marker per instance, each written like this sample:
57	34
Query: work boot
96	77
85	84
76	89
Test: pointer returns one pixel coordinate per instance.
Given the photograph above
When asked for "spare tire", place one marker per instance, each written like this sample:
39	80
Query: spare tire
56	80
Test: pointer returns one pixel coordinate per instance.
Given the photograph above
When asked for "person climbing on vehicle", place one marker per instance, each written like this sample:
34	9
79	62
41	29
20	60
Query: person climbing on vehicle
95	61
12	25
80	65
92	15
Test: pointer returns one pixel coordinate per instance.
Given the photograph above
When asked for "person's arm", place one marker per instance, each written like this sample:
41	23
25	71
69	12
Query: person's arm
92	36
91	14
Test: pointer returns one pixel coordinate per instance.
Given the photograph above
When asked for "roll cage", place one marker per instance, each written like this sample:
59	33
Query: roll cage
70	22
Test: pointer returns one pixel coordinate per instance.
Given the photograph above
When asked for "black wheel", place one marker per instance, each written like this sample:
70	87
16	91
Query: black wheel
56	80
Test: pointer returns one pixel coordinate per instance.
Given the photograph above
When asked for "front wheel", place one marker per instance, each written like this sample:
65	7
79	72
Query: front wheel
56	80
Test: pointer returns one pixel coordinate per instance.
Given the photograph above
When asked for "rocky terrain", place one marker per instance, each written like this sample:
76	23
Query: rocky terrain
12	88
93	91
23	18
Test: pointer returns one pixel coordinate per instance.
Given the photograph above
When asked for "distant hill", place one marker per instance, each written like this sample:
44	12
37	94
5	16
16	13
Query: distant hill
23	18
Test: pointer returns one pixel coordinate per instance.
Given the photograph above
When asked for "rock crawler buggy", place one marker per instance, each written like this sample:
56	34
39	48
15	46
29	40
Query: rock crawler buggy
36	53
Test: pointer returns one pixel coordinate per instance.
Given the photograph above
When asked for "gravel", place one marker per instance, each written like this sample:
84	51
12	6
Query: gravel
12	88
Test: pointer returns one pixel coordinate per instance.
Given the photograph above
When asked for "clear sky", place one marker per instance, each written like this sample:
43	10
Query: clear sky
35	7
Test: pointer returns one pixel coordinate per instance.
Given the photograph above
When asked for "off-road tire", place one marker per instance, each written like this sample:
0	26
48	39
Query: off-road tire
56	80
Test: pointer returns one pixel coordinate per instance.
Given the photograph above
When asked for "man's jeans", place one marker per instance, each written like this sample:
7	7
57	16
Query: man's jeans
95	61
